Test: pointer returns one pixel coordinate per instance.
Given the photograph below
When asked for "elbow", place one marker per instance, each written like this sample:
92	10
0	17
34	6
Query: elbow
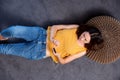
63	62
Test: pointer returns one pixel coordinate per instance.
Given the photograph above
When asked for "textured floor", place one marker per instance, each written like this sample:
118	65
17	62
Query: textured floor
49	12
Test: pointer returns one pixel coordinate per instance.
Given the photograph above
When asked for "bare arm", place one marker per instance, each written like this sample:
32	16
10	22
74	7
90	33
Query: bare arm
59	27
55	28
70	58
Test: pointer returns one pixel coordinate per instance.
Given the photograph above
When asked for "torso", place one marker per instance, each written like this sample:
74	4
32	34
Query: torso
48	52
68	44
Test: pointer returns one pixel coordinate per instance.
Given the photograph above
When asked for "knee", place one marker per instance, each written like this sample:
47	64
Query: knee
9	31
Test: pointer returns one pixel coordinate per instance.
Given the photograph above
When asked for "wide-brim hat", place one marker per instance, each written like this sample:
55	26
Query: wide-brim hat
110	29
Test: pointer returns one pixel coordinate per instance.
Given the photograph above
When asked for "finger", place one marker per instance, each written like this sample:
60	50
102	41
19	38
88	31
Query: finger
51	39
56	42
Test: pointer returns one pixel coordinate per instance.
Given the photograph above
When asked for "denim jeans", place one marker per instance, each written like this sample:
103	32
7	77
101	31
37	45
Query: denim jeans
35	46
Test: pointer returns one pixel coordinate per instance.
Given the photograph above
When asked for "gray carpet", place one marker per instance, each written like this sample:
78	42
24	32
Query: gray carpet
49	12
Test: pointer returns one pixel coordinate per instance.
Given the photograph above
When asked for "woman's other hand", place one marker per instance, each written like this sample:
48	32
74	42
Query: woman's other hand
54	41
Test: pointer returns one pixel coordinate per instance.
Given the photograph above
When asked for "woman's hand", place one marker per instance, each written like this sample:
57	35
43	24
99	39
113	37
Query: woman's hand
54	41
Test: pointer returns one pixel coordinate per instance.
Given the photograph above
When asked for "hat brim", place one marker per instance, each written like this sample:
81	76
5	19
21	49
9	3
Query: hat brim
110	29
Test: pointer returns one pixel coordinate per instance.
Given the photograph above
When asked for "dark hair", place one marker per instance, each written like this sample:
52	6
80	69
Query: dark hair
96	41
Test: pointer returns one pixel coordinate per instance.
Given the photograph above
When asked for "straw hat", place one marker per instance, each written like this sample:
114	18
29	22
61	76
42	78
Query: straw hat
110	29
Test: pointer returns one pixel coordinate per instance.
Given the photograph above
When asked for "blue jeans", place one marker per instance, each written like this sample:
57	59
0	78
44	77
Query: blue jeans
35	46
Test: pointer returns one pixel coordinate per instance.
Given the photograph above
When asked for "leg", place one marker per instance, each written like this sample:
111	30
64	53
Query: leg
29	50
27	33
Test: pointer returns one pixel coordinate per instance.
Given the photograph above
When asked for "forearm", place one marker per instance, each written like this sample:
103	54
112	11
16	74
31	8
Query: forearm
70	58
61	60
55	28
59	27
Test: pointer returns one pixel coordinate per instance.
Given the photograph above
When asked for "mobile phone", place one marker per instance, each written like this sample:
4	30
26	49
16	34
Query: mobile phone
54	50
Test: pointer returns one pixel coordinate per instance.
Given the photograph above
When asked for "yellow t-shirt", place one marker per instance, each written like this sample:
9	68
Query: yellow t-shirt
68	43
